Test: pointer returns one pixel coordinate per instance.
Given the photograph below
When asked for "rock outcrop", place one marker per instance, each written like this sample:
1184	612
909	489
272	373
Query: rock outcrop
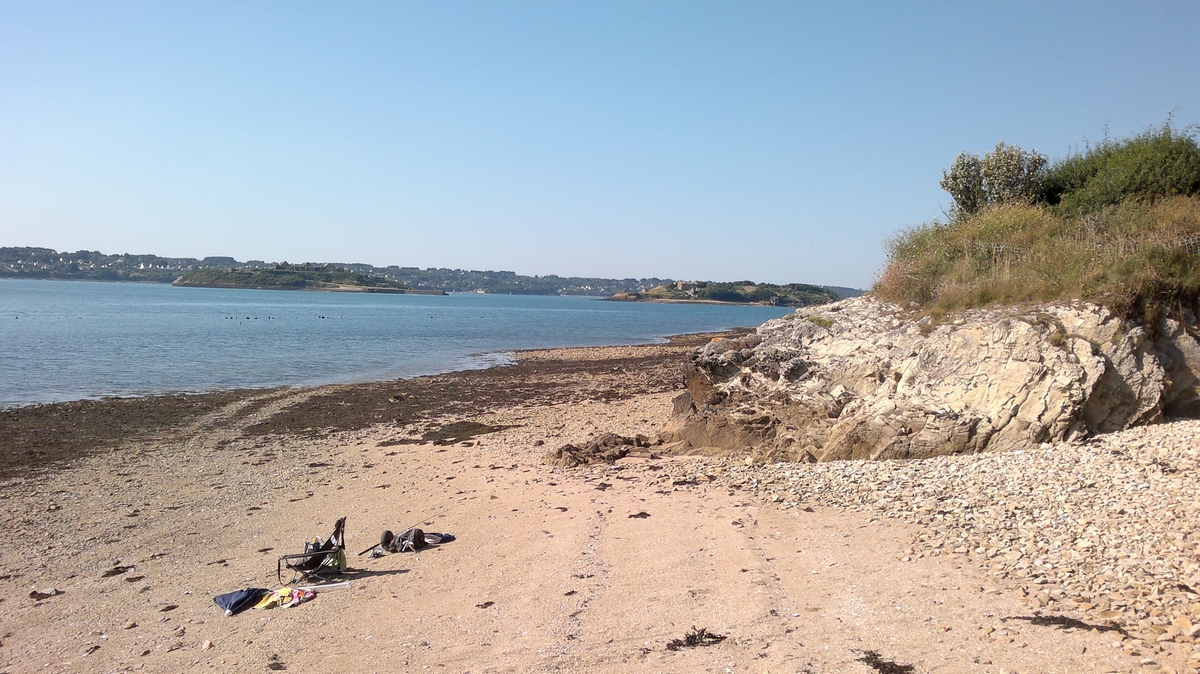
859	380
608	448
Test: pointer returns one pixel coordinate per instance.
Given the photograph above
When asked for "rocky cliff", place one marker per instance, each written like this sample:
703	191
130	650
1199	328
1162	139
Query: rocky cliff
858	379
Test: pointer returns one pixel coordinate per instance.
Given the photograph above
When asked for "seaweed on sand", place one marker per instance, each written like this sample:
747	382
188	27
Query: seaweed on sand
875	661
1065	623
697	637
458	432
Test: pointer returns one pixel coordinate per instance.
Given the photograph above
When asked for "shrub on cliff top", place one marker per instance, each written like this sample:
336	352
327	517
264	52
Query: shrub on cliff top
1156	163
1118	224
1006	175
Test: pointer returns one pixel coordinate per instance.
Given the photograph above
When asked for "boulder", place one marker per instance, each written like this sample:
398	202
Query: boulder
862	379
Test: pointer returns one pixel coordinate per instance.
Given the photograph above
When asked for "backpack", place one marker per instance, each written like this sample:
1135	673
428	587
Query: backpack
407	541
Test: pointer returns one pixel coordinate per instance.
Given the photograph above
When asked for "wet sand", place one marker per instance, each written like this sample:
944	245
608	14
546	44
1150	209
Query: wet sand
40	437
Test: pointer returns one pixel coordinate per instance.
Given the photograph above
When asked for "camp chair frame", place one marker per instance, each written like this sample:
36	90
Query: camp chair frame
323	559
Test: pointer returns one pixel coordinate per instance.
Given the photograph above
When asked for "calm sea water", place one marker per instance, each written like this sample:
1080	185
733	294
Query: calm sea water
65	340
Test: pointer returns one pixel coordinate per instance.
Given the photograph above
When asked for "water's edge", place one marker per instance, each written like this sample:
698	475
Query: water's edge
86	340
487	361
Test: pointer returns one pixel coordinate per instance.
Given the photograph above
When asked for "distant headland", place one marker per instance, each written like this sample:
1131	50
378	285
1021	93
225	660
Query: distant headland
286	276
739	292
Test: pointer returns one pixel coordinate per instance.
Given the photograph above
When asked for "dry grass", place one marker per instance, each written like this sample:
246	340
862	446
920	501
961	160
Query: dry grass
1133	258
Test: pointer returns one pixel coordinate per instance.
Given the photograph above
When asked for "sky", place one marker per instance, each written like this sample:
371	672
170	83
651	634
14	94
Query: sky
770	141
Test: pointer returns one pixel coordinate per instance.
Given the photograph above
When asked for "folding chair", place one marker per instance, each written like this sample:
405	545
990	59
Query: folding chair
318	558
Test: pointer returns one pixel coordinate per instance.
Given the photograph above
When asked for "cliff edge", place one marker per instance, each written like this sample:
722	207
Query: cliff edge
858	380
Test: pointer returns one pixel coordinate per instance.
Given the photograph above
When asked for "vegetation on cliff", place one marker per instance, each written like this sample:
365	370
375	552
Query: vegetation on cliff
1117	224
290	277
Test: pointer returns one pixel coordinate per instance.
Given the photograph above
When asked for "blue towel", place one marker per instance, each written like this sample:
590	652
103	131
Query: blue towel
239	600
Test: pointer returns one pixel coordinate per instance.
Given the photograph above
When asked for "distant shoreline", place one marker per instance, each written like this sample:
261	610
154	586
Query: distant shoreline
738	293
24	262
659	300
328	289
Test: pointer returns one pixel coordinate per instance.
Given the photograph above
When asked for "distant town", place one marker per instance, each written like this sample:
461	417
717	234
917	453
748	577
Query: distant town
46	263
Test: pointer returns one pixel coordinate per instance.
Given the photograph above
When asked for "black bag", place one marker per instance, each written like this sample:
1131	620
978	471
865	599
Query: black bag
408	541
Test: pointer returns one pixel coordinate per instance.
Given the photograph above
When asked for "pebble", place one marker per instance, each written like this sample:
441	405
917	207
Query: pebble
1102	531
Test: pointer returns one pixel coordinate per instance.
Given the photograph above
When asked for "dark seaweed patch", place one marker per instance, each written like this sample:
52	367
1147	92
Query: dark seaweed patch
697	637
1065	623
875	661
458	432
400	441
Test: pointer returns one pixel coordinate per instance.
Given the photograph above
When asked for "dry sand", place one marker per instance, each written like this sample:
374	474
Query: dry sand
575	570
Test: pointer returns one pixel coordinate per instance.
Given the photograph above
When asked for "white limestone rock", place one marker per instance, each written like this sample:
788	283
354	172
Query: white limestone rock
858	379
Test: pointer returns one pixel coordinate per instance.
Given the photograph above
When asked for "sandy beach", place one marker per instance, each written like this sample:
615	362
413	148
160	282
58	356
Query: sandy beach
125	517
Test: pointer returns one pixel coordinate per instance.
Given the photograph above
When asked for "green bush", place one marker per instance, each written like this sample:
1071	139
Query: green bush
964	181
1157	163
1006	175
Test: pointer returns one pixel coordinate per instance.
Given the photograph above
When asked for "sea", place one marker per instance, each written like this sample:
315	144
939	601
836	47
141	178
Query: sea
70	340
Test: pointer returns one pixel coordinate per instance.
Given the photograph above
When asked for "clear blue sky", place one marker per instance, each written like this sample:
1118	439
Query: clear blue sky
777	142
